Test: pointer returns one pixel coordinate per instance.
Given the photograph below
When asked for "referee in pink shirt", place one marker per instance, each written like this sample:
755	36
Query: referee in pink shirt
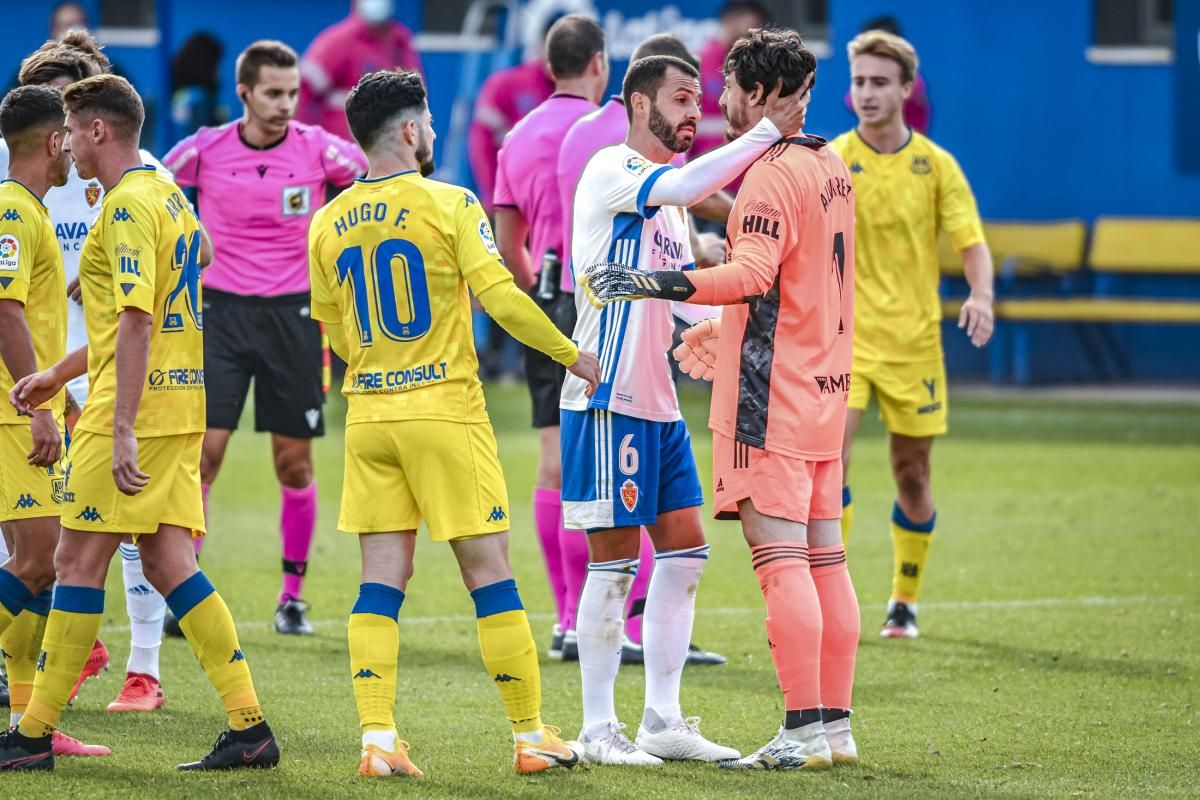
529	235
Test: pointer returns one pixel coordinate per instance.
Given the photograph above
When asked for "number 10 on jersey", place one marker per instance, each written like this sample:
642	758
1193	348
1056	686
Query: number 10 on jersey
394	297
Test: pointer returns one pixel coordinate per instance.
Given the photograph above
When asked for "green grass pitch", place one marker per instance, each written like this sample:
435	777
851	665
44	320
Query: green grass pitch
1058	655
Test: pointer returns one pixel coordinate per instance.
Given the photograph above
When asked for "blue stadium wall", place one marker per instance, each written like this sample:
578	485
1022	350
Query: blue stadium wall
1041	132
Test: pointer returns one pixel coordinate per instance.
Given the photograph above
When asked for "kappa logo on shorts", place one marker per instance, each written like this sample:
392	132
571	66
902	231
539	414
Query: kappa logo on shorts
89	514
26	501
41	665
497	514
629	495
237	656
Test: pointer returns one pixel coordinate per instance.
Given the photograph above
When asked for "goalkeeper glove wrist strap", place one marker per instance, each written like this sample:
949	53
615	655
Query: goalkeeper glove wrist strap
668	285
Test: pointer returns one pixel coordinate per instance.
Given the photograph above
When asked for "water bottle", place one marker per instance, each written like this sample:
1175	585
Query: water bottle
550	278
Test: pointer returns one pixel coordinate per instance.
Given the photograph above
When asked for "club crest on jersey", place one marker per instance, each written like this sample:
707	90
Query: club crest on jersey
921	165
296	201
91	193
485	235
629	495
10	252
636	166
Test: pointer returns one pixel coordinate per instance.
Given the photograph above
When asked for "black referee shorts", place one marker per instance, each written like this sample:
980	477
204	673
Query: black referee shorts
543	374
274	341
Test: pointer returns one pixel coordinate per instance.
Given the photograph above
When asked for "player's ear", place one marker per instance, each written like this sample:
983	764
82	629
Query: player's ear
54	143
906	89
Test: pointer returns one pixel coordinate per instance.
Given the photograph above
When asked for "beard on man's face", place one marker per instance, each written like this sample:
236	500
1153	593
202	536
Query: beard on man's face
424	156
668	134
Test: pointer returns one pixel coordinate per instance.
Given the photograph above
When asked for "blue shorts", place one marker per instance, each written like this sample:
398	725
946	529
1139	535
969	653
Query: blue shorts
620	471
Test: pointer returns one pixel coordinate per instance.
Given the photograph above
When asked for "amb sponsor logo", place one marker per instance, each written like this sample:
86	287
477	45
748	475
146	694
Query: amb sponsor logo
833	384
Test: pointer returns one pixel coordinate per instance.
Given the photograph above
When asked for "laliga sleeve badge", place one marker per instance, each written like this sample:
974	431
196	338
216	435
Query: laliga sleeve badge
10	253
629	495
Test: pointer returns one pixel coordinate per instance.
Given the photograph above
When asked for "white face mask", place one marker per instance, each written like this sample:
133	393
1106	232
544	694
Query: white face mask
374	11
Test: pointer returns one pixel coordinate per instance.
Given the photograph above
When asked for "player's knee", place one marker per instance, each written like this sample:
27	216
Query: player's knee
294	470
549	476
912	476
36	573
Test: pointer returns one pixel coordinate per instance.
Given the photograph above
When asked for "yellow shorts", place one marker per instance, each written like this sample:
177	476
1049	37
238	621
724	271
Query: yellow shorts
445	473
26	491
92	502
912	395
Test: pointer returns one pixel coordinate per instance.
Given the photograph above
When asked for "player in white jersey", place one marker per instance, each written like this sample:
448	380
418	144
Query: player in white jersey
626	453
74	208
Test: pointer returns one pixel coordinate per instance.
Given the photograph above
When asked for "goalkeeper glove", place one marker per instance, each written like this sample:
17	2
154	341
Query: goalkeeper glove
607	282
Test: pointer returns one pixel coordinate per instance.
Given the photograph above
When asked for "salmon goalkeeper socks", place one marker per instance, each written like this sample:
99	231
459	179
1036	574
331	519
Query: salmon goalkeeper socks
71	631
910	553
208	626
374	635
840	625
847	515
509	655
22	643
793	622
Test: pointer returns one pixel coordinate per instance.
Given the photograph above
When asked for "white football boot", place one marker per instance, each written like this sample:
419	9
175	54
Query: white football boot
682	742
803	748
841	742
613	748
901	621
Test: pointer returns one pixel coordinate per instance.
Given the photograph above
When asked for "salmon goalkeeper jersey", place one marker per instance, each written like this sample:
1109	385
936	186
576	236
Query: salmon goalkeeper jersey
391	260
31	272
144	253
903	200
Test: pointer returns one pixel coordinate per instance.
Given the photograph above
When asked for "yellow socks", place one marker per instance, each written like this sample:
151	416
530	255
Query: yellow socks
910	552
22	643
847	515
374	635
208	626
509	653
71	631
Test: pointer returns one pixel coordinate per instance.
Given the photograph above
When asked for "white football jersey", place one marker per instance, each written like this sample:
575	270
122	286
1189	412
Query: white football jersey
611	222
74	207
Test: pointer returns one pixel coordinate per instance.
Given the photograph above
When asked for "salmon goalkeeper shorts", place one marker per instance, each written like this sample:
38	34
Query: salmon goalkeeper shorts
778	485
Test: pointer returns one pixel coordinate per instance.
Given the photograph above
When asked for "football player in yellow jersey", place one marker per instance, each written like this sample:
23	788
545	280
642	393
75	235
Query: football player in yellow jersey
390	261
134	463
33	336
908	188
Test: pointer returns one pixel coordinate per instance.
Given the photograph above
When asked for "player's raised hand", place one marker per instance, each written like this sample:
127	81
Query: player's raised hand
978	319
587	367
607	282
34	390
129	479
710	250
697	354
788	113
47	443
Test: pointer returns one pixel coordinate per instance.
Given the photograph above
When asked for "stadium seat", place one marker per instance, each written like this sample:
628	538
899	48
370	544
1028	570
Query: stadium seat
1130	244
1025	248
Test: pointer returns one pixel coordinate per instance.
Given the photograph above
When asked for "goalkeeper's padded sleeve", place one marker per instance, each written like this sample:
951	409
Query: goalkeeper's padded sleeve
710	172
525	322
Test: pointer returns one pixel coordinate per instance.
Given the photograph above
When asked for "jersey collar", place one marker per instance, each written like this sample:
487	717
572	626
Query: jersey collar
385	177
907	142
806	140
27	189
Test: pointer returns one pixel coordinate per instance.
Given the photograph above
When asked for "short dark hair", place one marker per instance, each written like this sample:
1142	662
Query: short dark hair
76	57
745	7
647	74
378	99
885	23
664	44
27	110
263	53
571	45
766	56
113	99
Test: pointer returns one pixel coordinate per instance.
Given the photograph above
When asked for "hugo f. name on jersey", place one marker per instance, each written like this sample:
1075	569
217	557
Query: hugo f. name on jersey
612	222
401	252
143	253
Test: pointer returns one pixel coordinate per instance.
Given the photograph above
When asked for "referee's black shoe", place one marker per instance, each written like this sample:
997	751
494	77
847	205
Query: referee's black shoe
291	618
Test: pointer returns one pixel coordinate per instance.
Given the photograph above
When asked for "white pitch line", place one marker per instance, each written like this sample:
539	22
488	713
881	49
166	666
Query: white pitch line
960	605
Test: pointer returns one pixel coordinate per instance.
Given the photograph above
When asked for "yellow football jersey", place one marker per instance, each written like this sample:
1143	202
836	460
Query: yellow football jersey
143	252
904	198
391	259
31	272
